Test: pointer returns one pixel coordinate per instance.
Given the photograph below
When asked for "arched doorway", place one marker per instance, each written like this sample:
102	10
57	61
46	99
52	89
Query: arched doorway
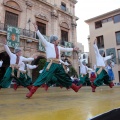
6	62
40	61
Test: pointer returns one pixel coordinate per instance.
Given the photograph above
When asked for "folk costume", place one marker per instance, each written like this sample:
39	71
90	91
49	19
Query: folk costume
52	66
84	76
13	68
23	69
110	70
102	75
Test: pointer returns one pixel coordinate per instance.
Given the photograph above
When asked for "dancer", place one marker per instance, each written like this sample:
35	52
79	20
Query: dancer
11	71
109	67
52	66
102	76
84	76
24	70
54	80
93	74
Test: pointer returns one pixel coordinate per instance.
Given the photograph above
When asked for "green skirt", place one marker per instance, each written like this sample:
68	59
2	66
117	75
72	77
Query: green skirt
58	72
53	81
7	78
101	78
84	79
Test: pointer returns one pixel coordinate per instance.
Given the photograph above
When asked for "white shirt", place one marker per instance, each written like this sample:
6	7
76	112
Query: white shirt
1	62
50	50
100	61
22	66
13	57
83	69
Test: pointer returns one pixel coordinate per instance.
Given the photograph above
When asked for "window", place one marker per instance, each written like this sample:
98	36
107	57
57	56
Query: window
98	24
64	35
104	21
11	19
63	6
84	56
118	37
100	42
110	19
42	28
116	18
107	20
118	51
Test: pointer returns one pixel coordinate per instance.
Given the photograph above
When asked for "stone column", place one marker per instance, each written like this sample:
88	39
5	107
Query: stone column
74	40
54	25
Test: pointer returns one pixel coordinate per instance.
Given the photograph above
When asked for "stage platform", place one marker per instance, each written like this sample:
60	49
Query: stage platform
57	103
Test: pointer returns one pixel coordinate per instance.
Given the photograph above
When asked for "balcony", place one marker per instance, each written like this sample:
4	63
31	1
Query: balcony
23	32
28	33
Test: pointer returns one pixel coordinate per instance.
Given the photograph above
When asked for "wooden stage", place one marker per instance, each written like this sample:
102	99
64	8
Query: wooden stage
57	103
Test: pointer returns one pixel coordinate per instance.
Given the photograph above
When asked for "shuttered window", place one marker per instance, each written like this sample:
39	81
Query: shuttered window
11	19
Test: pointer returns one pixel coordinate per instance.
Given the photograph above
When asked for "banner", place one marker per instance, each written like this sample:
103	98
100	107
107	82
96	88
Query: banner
41	47
111	51
68	45
13	36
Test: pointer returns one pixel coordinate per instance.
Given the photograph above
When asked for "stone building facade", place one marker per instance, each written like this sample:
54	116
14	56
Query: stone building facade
52	17
107	31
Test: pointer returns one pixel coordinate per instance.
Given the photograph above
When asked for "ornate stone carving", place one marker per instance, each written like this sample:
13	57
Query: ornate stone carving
12	4
54	13
29	4
74	24
42	16
64	24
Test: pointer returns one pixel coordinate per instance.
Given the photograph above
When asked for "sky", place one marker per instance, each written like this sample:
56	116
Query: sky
86	9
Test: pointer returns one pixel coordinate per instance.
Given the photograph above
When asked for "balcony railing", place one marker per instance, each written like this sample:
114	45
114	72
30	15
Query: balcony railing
28	33
62	42
23	32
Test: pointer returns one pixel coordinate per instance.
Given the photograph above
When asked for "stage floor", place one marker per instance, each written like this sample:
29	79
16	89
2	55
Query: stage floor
57	103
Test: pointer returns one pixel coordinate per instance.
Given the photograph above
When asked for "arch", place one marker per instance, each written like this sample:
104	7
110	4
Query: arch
13	4
6	62
64	24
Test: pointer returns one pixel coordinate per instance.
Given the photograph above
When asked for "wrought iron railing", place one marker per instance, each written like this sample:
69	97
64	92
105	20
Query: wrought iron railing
28	33
62	42
24	32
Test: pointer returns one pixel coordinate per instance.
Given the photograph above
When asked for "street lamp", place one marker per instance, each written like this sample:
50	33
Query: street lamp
29	21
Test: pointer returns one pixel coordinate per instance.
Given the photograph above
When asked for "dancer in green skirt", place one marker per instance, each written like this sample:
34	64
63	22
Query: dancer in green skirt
52	66
24	69
84	76
102	75
15	59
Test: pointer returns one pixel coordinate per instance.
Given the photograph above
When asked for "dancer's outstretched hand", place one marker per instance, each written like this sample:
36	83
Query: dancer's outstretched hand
76	49
35	26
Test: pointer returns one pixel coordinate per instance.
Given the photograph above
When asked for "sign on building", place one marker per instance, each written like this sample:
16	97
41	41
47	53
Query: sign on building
13	36
111	51
68	45
41	47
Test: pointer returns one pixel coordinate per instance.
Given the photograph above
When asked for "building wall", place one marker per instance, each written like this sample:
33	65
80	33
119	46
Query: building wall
80	46
108	30
45	11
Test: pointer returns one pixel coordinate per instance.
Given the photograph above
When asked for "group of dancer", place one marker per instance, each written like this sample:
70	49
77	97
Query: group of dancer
101	76
54	71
